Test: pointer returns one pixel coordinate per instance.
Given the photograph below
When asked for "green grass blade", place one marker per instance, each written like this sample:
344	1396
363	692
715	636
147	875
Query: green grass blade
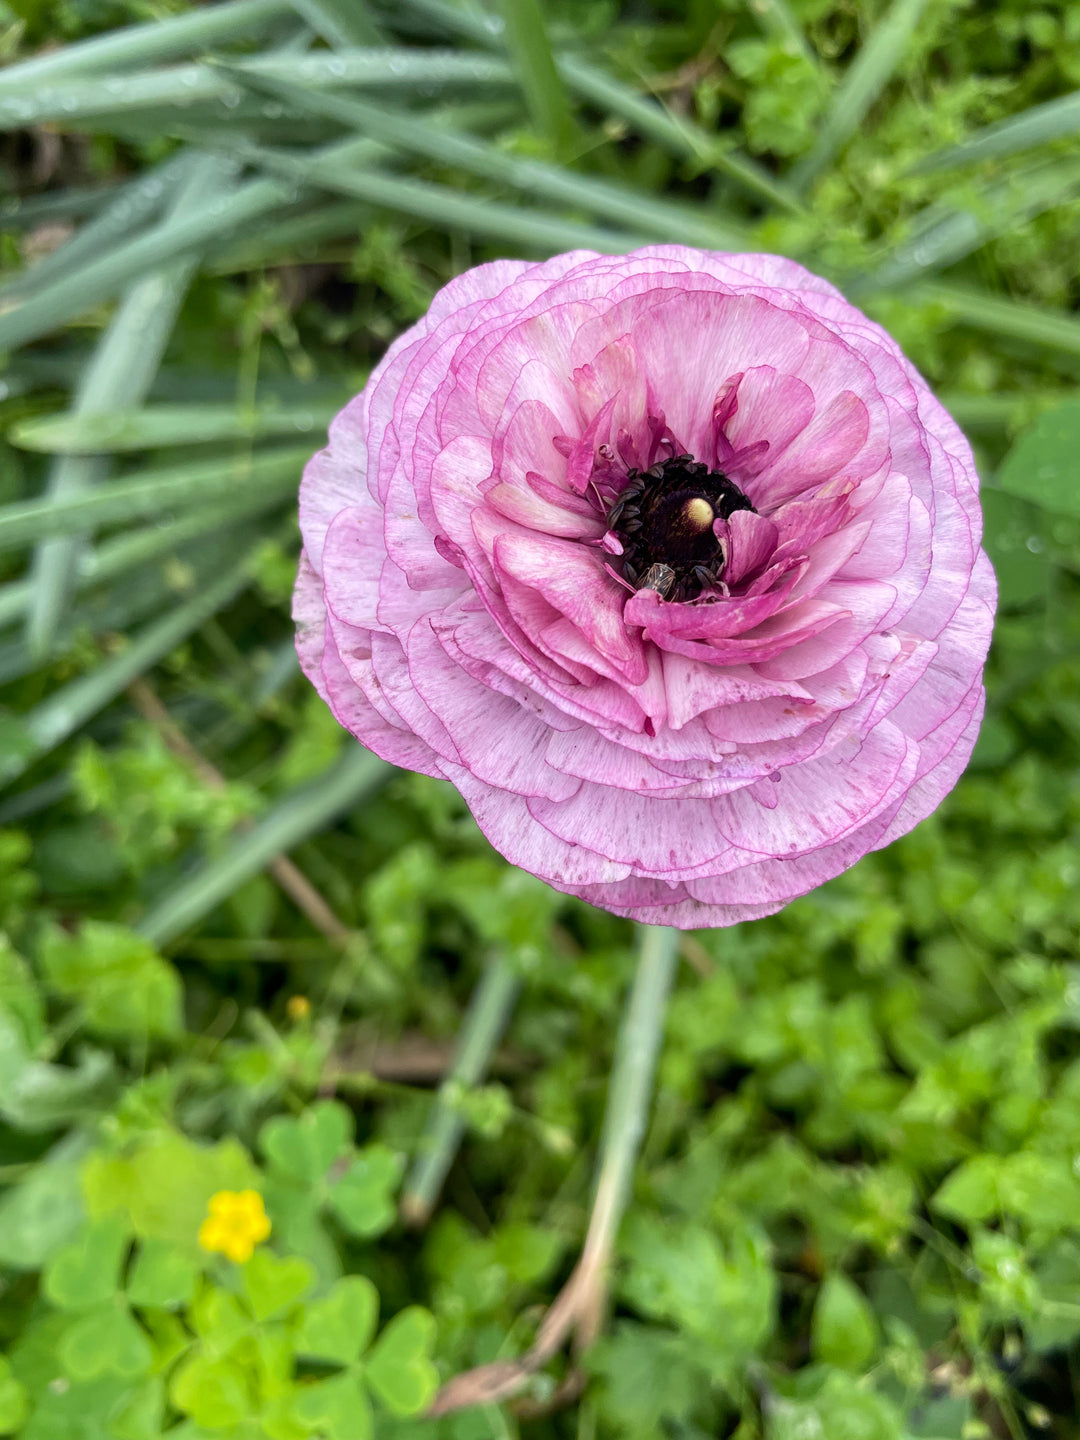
448	209
114	557
679	137
144	592
291	237
1055	120
341	23
158	426
485	1022
303	813
272	474
869	73
945	234
134	206
998	316
120	373
22	212
660	219
101	279
673	133
1003	410
67	709
204	91
146	44
530	51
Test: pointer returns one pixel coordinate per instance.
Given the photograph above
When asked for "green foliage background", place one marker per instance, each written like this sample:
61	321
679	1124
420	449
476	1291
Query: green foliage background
857	1216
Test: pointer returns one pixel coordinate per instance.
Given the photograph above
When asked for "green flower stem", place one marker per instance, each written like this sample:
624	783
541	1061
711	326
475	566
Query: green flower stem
580	1305
629	1098
486	1019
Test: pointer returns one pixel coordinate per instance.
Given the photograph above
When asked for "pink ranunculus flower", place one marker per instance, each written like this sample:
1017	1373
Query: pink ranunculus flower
669	561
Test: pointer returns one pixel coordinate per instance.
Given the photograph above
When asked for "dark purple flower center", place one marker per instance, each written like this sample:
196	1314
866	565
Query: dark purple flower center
664	522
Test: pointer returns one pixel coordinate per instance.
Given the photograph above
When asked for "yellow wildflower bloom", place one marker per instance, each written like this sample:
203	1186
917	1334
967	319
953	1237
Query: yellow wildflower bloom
235	1223
298	1007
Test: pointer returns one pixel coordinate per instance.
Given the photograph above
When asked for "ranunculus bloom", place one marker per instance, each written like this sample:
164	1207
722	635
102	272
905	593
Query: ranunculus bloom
669	561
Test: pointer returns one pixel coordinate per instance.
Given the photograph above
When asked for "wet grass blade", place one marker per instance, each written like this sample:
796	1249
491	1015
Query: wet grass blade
341	23
272	474
1055	120
604	91
146	44
67	709
999	316
119	554
675	134
660	219
534	231
119	373
290	237
132	206
545	96
204	92
300	815
945	233
869	73
101	279
158	426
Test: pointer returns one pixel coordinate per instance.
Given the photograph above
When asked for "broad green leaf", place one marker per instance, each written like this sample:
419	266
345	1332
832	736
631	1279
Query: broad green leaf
304	1148
399	1367
86	1273
107	1341
340	1325
363	1199
215	1393
1041	466
275	1284
339	1408
124	987
161	1277
971	1192
843	1331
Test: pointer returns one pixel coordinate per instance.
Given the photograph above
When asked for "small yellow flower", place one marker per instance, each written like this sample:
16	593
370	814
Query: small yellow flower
235	1223
298	1007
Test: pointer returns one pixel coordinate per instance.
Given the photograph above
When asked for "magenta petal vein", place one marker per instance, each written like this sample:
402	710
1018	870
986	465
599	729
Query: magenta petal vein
669	561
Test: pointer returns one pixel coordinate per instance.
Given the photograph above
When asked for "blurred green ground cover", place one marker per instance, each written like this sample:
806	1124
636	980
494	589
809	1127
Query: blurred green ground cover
858	1214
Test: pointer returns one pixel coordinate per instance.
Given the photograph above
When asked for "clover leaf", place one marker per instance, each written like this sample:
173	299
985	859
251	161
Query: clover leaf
272	1285
106	1341
304	1148
162	1277
339	1406
363	1198
340	1325
87	1272
214	1392
399	1368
